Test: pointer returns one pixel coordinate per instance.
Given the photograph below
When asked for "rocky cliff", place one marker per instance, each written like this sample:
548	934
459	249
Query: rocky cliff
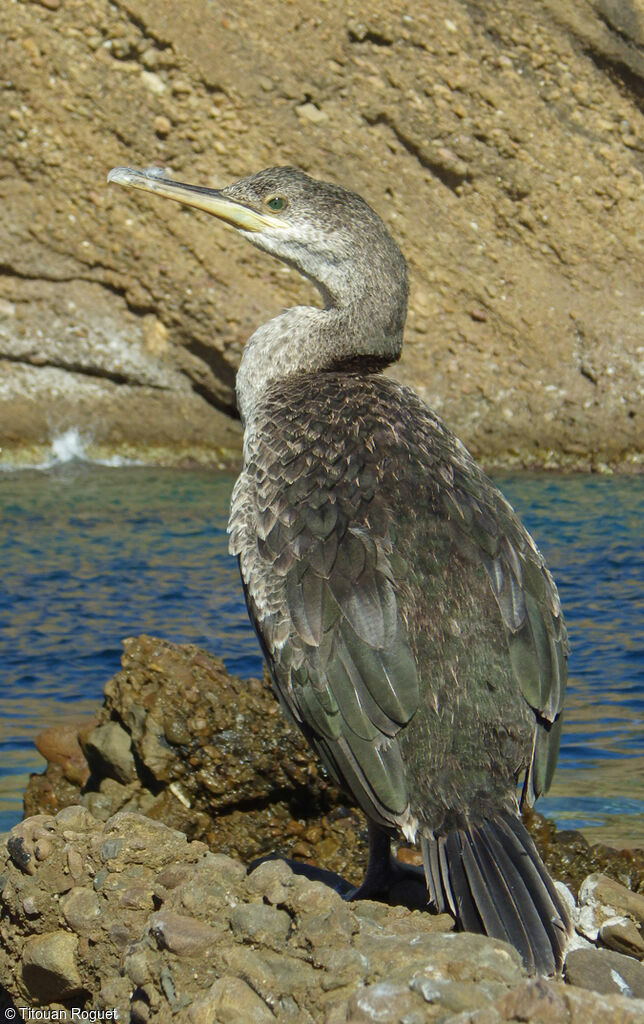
502	142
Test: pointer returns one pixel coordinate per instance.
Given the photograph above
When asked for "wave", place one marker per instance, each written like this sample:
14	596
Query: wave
68	447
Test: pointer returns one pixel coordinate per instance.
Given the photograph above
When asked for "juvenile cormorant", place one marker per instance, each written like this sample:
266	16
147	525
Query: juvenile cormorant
410	625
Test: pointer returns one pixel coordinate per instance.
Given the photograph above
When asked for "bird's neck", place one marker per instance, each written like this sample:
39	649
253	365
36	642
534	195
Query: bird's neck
306	339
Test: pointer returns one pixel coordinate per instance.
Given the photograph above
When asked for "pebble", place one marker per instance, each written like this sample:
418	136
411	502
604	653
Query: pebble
43	848
622	935
180	934
602	898
155	341
309	112
261	923
180	87
49	968
108	749
229	1001
59	744
80	908
20	854
153	82
162	126
385	1003
603	970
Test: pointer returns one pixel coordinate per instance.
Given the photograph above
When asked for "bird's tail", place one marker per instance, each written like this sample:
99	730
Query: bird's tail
491	878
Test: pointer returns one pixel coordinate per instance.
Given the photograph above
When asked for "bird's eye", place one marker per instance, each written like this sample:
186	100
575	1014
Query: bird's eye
276	203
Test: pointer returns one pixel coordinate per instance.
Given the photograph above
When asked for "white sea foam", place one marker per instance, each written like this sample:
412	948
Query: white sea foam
68	447
71	446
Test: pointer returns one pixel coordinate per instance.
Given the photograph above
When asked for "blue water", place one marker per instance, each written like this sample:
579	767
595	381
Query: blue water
93	554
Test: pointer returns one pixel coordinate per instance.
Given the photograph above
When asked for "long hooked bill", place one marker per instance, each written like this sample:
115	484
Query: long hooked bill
211	200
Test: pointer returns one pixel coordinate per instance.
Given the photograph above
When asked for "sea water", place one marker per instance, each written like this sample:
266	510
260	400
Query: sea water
94	553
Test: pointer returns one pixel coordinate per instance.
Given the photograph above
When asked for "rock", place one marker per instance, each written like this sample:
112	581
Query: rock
602	970
181	935
546	1002
309	112
622	935
161	928
260	923
385	1003
602	899
229	1001
49	967
108	752
517	153
81	909
162	126
246	784
59	745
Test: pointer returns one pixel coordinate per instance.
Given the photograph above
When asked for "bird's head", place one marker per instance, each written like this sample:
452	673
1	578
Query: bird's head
329	234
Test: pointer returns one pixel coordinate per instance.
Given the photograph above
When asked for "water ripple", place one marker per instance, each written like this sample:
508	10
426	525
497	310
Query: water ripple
92	554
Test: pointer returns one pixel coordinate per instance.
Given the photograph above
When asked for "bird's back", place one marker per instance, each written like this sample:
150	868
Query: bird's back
411	628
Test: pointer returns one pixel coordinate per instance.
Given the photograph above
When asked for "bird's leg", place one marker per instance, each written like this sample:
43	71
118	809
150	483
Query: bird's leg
386	878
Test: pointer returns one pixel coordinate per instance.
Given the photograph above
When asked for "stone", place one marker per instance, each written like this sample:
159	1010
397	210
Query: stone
59	745
602	970
622	935
108	751
309	112
273	880
600	891
180	934
385	1003
260	923
81	909
49	966
229	1001
162	125
454	996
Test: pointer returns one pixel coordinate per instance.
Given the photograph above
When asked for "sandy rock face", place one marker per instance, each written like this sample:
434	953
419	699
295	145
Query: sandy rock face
501	142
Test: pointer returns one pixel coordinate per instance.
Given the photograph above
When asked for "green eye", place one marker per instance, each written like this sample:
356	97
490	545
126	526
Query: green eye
276	203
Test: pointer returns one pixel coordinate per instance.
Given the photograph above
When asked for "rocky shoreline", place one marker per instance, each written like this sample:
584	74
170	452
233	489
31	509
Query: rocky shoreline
125	887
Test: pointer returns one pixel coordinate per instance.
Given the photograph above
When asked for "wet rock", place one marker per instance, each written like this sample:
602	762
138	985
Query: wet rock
227	767
602	970
49	967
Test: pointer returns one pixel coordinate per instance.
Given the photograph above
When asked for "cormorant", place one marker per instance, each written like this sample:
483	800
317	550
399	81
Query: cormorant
411	627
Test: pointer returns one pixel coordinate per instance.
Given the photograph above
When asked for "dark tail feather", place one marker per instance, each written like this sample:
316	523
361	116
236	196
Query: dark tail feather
492	879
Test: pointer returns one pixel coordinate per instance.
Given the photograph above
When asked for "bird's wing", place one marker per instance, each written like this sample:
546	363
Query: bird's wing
322	594
326	584
486	529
